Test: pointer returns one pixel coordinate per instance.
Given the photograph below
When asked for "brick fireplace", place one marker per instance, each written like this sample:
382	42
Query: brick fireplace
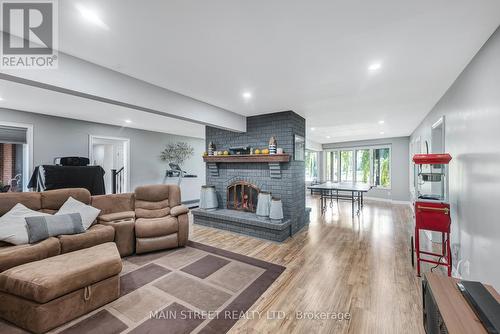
238	182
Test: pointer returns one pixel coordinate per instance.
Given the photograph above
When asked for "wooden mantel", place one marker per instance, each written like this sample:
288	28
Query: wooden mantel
274	161
247	158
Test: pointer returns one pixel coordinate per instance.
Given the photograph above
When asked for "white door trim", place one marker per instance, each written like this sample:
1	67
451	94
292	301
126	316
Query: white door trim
440	122
126	149
28	154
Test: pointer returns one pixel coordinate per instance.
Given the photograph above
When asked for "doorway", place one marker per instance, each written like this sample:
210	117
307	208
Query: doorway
16	156
112	154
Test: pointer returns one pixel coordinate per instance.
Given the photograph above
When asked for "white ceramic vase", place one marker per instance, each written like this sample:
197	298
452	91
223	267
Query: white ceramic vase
208	198
276	209
263	204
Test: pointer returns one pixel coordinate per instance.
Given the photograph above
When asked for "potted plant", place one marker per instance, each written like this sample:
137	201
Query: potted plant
177	153
4	187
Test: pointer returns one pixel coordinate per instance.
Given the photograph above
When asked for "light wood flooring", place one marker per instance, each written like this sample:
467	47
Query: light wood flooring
359	266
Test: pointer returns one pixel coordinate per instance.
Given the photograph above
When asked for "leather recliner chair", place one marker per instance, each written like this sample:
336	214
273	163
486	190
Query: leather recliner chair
161	220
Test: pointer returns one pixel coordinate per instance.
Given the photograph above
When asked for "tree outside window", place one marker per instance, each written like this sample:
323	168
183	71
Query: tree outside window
381	167
363	166
311	162
346	163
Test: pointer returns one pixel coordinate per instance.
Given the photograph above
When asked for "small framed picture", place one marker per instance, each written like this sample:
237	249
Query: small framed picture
299	148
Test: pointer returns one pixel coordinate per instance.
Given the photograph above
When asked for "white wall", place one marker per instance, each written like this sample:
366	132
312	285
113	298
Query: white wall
313	146
399	166
471	108
57	136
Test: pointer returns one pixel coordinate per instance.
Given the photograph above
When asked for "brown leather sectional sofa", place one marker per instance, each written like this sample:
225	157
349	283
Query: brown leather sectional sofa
49	202
46	284
156	212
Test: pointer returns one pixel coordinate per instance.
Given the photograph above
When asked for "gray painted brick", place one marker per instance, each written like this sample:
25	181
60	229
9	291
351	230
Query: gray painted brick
291	181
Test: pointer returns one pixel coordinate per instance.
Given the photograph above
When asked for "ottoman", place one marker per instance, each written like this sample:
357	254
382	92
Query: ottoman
42	295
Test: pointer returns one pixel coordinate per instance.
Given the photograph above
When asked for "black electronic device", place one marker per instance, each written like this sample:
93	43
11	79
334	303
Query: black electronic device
483	303
239	150
72	161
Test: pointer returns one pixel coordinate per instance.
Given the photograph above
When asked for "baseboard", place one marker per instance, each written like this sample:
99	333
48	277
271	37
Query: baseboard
402	202
387	200
192	203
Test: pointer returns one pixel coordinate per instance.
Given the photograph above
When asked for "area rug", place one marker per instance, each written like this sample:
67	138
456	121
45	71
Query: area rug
195	289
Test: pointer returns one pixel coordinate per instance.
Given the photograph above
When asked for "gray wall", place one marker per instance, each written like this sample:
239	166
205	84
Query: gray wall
57	136
399	166
472	136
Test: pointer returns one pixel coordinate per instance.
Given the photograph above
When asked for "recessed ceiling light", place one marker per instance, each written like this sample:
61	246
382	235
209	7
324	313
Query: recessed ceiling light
328	137
312	129
91	16
381	122
1	98
128	121
382	132
247	95
374	67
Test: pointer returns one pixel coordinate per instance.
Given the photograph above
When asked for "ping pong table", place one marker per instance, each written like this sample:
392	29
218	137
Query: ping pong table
352	191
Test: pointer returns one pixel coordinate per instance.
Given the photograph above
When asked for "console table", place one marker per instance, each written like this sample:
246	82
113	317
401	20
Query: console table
445	310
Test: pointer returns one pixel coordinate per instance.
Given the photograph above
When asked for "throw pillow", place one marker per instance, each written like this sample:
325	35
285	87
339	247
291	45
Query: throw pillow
42	227
87	212
13	224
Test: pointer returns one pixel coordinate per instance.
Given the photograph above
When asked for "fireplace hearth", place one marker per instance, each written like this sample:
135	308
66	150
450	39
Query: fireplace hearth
242	196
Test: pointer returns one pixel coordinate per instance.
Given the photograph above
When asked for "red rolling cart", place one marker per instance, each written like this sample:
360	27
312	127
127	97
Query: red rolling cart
432	208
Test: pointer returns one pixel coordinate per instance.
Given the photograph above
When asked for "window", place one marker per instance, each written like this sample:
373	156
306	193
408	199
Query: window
346	166
381	167
335	168
332	164
363	172
370	165
329	166
311	161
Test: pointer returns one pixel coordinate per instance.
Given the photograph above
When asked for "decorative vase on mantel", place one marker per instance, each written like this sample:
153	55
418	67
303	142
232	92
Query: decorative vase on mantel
272	145
211	148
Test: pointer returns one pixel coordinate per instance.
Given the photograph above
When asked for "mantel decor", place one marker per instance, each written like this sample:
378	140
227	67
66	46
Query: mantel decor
274	161
248	158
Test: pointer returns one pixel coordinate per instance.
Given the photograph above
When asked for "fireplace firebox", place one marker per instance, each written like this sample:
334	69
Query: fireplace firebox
242	196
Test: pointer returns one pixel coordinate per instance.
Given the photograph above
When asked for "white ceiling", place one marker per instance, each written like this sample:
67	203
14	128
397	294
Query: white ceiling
310	56
33	99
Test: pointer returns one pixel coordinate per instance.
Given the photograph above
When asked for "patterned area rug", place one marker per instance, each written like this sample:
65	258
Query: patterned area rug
196	289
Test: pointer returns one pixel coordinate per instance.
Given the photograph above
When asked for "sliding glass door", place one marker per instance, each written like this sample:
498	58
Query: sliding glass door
363	169
381	167
346	166
332	166
371	165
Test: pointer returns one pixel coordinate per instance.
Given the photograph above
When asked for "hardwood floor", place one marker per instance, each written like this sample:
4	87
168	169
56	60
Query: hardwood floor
338	264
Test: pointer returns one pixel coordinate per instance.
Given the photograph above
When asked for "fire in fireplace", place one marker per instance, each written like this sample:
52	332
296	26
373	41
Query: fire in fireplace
242	196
